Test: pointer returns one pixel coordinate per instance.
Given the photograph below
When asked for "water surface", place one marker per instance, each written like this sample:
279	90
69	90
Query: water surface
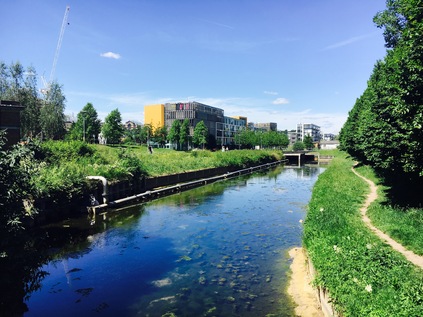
218	250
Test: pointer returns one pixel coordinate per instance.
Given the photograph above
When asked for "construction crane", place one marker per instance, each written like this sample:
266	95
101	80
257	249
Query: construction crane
56	54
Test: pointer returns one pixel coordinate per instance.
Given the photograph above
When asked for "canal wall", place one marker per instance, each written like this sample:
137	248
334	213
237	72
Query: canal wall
127	192
53	209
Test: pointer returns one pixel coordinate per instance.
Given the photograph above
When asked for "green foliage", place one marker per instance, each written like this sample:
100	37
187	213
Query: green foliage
146	133
402	224
17	166
15	86
112	128
87	125
308	142
200	134
133	166
246	158
52	116
60	183
160	135
175	132
298	146
363	275
58	152
265	139
392	22
184	133
384	129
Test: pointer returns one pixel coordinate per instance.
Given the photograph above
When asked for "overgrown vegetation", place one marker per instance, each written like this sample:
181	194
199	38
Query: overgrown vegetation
55	171
363	275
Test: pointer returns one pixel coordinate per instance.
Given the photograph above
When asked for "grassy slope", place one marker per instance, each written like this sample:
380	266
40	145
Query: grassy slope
363	275
165	161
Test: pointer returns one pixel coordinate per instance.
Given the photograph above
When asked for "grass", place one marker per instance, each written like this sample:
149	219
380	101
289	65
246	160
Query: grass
363	275
165	161
402	224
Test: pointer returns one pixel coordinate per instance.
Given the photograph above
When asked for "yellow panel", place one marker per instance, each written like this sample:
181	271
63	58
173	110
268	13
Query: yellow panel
154	115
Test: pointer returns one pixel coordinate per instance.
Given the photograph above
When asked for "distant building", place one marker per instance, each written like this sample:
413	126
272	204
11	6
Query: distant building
129	125
154	115
292	136
329	145
241	118
250	126
10	120
194	112
227	130
269	126
160	115
328	137
310	129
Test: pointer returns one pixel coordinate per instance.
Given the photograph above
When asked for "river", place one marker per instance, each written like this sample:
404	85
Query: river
217	250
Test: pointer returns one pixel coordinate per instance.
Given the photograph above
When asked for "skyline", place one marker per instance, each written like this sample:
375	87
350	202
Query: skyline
271	61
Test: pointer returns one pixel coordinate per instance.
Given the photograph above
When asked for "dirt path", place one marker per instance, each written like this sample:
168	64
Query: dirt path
300	288
410	256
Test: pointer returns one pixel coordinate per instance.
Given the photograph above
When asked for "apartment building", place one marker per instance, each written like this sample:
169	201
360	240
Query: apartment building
226	131
160	115
311	129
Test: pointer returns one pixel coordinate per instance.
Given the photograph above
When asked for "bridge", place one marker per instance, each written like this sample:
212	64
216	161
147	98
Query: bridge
301	157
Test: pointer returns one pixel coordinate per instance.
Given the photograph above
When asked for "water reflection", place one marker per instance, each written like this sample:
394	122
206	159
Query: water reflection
217	250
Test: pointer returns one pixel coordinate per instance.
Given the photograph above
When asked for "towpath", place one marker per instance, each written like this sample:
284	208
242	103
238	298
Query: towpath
371	197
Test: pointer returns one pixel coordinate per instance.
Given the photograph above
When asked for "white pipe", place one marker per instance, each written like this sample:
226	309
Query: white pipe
105	187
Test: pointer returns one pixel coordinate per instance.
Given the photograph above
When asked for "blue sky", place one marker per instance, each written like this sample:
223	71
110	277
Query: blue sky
283	61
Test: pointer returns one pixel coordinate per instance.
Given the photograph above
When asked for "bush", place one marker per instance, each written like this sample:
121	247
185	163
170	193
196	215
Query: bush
56	152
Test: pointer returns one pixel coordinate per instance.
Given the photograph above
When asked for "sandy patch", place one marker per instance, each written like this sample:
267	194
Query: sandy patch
300	288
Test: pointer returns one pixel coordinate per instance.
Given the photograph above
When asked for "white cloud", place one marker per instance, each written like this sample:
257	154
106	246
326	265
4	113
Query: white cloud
110	55
349	41
280	101
218	24
273	93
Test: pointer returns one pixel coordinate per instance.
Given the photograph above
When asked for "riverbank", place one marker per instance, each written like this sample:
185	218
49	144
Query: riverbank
300	288
362	274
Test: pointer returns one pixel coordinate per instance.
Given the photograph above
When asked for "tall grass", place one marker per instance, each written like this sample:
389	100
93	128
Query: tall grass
363	275
165	161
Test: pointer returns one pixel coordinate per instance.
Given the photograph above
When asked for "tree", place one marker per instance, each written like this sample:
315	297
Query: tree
19	85
112	128
247	138
52	116
30	119
145	133
160	135
392	21
174	132
385	127
298	146
87	125
184	133
200	134
308	142
17	165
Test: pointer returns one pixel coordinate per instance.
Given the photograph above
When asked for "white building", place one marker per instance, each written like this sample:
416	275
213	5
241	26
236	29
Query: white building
311	129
